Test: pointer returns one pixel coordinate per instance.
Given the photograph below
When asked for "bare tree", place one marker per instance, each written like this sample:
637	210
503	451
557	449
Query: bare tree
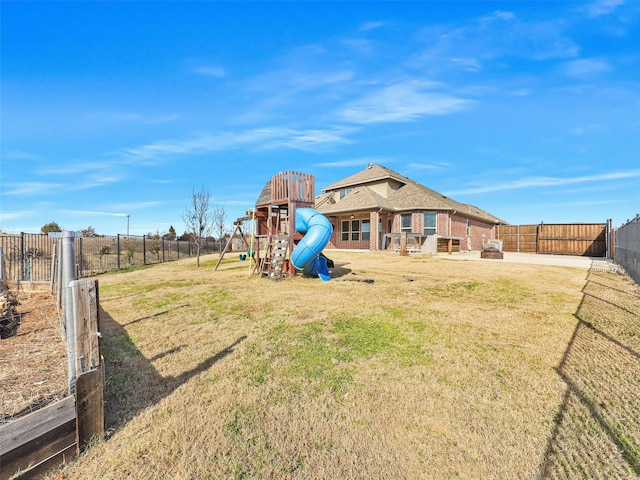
219	217
197	219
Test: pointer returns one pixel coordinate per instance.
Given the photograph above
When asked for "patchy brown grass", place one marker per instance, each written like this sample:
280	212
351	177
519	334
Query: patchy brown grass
597	432
428	369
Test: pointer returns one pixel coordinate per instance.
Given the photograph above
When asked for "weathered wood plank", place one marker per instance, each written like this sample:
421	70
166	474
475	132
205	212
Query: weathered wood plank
89	407
35	424
37	436
48	450
85	309
38	471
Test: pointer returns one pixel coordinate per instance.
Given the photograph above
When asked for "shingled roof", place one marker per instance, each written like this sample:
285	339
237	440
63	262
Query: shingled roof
409	196
360	198
265	195
373	173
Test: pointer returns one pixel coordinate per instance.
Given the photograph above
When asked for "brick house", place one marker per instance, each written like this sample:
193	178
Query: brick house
372	208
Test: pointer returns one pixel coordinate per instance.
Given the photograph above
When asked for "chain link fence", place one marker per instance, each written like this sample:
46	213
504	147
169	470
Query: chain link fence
628	248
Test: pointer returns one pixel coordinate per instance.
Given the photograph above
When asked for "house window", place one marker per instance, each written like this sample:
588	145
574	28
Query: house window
430	223
345	231
468	228
345	192
405	222
355	230
366	230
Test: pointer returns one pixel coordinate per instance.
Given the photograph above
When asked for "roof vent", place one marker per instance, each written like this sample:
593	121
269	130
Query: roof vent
370	165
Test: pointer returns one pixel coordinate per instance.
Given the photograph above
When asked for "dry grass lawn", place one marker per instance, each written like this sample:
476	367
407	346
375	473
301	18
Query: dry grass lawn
398	368
33	362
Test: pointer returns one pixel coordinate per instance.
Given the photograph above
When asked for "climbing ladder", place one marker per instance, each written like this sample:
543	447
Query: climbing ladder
275	257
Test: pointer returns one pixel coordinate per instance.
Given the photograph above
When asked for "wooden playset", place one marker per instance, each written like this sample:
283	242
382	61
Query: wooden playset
274	218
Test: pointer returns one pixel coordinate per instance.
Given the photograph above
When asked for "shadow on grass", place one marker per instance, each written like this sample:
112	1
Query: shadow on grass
597	430
132	382
339	270
149	317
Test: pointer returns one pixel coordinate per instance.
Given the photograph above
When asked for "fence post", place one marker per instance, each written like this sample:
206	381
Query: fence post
607	239
163	260
59	280
21	257
52	280
81	259
89	373
144	249
84	297
118	248
68	275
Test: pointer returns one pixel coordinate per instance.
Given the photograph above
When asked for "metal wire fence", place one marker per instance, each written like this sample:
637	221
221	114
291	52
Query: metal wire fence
29	257
628	248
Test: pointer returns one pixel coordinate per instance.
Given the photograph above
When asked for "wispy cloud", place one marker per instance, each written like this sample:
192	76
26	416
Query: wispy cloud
32	188
499	15
468	64
477	44
267	138
93	212
353	162
532	182
306	140
367	26
115	117
94	181
402	102
586	129
298	78
10	216
210	71
74	168
427	166
603	7
585	67
119	210
20	155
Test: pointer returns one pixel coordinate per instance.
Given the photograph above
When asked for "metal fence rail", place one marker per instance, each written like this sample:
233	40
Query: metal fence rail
28	257
628	248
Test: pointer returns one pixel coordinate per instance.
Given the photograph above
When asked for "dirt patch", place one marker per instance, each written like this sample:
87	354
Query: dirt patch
33	362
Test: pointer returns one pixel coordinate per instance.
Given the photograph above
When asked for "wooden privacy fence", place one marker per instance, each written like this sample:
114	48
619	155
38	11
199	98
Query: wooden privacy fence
586	239
49	437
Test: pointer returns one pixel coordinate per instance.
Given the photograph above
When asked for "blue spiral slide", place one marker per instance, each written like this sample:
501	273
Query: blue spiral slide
317	232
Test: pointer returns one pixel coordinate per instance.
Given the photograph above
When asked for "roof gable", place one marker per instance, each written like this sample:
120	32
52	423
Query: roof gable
373	173
360	198
414	196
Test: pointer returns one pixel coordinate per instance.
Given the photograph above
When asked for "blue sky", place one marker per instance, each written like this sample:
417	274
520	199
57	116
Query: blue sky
529	110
